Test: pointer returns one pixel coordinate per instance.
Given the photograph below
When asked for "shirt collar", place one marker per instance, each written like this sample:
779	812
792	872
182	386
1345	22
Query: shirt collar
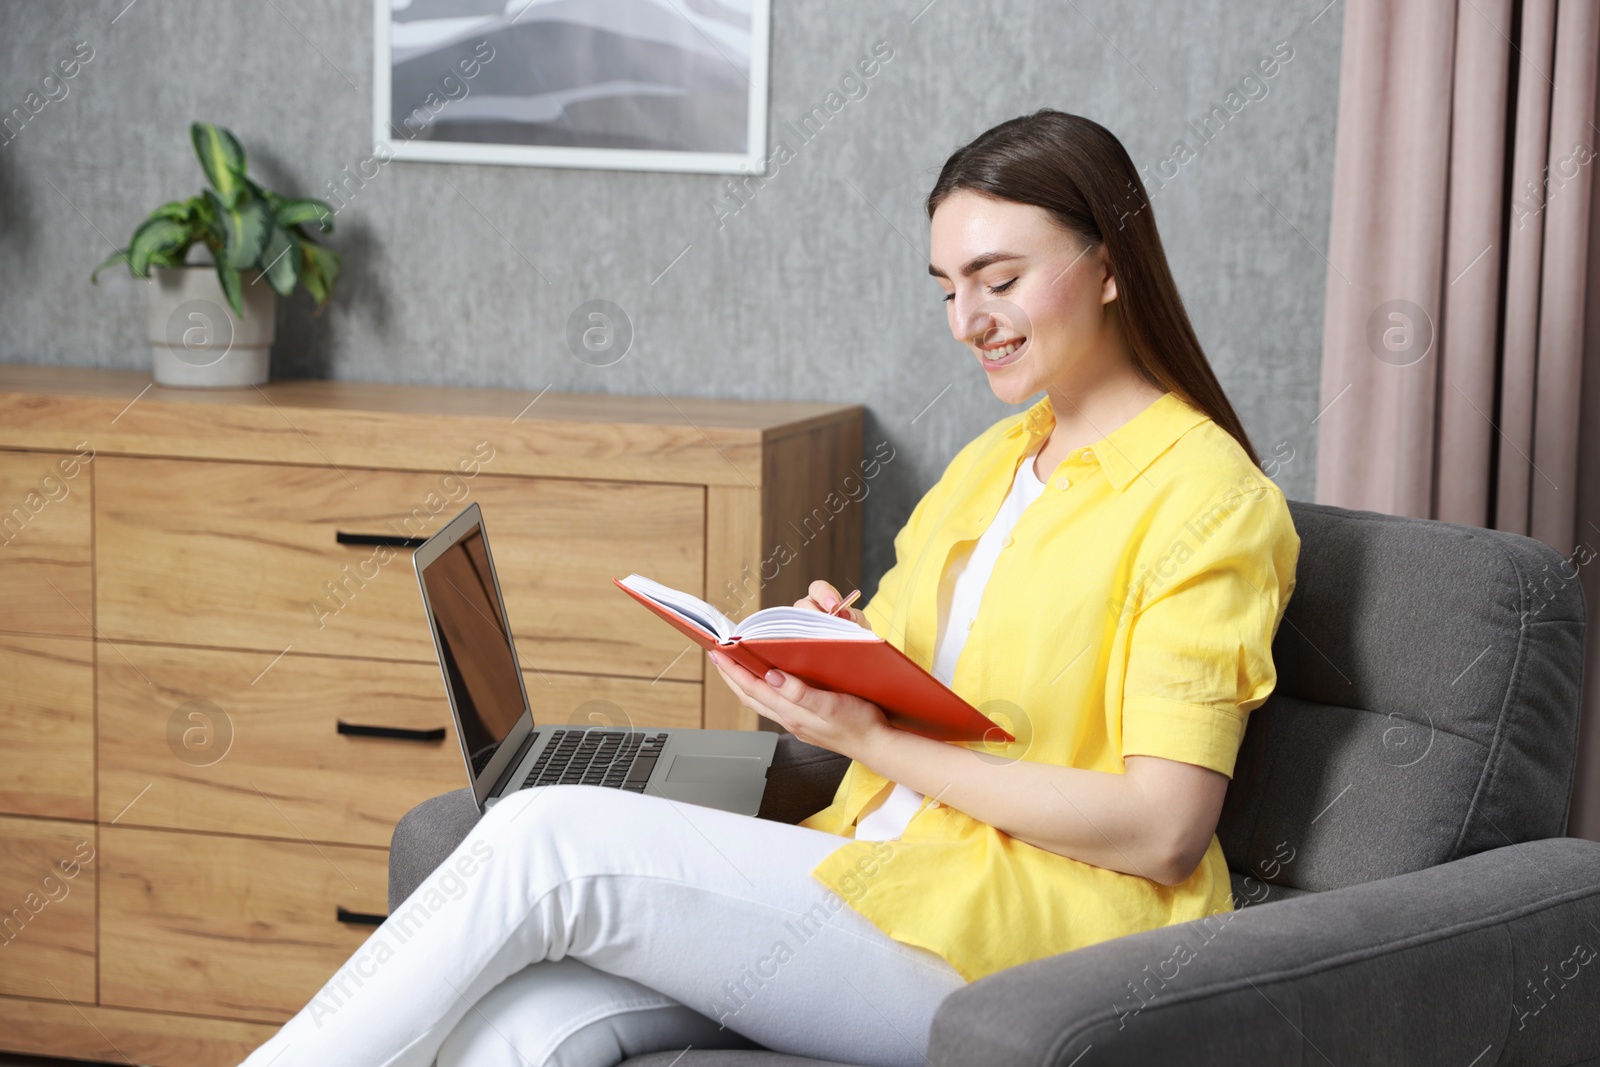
1125	452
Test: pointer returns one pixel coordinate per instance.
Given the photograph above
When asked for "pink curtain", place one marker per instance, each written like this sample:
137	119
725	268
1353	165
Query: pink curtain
1464	257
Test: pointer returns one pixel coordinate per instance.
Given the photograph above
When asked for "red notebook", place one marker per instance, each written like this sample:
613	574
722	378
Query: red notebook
828	651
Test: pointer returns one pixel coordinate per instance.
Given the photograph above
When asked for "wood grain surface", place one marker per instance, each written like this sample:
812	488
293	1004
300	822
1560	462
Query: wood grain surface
202	739
690	440
117	1035
232	556
47	726
207	924
47	908
45	554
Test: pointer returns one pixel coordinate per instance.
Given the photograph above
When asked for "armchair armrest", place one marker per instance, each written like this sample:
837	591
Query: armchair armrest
424	838
1494	958
801	782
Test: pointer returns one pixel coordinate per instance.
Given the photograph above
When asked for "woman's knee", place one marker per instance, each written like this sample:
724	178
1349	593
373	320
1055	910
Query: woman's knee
545	816
544	803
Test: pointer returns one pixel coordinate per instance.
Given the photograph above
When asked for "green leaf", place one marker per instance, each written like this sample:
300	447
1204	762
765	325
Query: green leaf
221	158
280	261
319	269
177	210
272	198
155	237
206	227
231	288
115	257
170	259
245	229
300	211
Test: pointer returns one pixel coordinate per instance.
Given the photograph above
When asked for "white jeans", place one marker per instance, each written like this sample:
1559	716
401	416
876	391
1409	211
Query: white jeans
578	926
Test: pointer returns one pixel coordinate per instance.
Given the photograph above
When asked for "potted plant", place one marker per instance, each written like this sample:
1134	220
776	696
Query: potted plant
214	327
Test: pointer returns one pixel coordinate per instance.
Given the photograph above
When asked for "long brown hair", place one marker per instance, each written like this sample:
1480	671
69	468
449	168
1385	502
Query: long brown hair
1079	172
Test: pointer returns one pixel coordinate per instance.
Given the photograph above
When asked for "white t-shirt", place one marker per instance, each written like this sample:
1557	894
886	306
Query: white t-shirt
960	592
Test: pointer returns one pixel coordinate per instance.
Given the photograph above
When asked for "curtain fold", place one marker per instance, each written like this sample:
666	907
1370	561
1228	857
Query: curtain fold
1474	265
1461	364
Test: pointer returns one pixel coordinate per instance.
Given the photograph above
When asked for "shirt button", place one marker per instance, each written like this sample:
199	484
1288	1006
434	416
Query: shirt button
971	623
1062	483
1007	542
1088	453
932	804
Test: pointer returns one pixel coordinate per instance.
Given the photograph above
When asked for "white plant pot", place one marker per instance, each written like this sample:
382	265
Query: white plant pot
196	341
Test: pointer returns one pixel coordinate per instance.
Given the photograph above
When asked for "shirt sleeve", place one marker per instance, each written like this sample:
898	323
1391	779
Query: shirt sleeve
1200	642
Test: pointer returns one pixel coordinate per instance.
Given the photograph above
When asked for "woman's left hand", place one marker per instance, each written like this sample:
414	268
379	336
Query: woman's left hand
838	722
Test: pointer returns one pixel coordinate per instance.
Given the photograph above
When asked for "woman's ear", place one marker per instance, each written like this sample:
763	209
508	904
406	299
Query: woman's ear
1108	277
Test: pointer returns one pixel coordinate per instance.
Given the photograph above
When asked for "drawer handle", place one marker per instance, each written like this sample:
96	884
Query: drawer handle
391	540
359	918
398	733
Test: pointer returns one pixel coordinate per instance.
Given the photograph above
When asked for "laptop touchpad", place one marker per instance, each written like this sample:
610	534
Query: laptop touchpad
715	769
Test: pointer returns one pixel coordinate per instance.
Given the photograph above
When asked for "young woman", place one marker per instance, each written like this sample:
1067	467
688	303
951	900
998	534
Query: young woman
1102	574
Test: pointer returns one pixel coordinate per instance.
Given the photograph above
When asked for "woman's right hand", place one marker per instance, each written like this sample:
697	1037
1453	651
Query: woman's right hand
824	597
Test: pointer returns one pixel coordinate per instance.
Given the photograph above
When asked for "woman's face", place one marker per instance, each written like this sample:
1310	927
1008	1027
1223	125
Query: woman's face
1024	295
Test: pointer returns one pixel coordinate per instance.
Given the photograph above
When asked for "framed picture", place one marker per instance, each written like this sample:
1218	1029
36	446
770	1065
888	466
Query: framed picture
672	85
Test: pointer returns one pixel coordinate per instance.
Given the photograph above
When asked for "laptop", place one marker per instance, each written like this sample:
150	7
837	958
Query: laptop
507	748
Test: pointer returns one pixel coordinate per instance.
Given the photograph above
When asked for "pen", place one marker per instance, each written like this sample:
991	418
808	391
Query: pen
846	603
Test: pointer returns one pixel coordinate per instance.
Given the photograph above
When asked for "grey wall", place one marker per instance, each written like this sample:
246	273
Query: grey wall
817	290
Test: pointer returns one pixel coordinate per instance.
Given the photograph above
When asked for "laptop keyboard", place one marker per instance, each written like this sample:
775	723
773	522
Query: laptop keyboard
619	759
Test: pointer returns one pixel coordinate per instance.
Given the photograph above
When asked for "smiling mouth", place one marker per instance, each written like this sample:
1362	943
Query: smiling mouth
1001	351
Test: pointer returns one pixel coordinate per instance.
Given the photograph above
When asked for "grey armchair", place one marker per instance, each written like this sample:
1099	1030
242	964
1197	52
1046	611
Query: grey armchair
1403	891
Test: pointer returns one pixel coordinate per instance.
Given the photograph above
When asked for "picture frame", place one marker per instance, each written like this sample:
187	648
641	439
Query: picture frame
662	85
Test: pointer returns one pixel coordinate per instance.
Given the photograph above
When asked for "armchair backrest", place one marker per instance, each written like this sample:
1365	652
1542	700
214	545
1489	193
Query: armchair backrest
1426	709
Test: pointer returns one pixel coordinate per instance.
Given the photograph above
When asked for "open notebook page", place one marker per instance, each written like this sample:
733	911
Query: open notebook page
688	605
801	622
779	621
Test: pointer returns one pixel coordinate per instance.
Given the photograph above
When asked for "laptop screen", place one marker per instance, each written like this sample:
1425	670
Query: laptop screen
475	649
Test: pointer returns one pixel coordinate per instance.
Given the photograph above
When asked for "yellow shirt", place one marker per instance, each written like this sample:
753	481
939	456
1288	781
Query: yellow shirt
1132	611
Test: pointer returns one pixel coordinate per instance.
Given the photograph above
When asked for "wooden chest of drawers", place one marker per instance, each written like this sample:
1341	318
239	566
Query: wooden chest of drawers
217	690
